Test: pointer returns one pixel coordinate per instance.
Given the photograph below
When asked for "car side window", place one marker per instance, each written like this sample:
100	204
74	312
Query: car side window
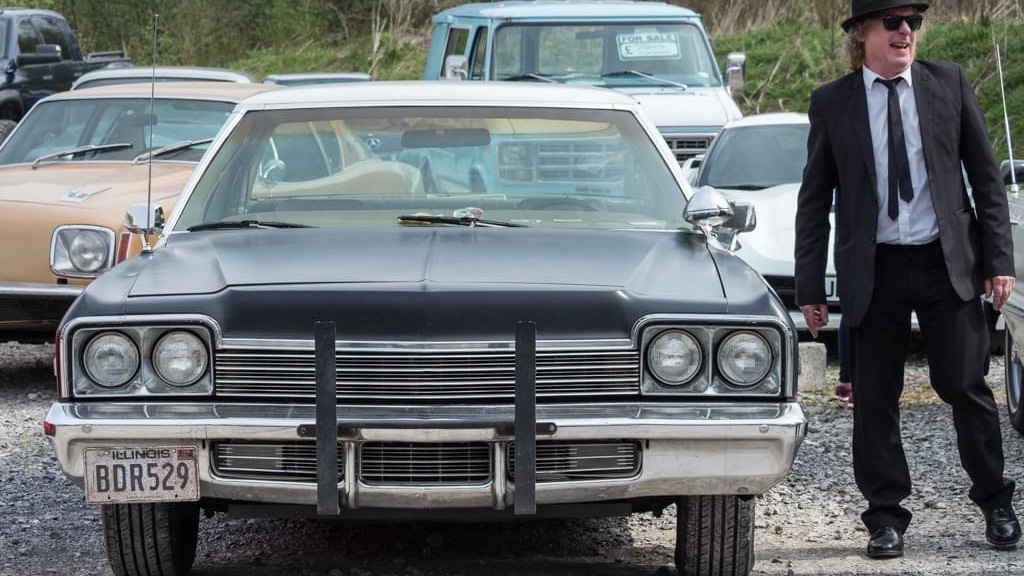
457	40
52	34
479	56
28	38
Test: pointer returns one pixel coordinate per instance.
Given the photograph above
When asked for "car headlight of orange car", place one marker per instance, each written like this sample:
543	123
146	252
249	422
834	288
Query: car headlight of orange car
81	251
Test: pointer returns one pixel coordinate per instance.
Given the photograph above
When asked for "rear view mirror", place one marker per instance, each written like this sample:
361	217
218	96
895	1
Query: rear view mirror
736	70
456	67
446	138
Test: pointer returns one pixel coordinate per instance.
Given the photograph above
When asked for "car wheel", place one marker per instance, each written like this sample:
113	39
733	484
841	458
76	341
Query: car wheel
1014	383
145	539
715	535
6	127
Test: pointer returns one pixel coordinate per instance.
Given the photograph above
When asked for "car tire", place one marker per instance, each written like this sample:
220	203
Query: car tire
1014	371
6	127
149	539
715	535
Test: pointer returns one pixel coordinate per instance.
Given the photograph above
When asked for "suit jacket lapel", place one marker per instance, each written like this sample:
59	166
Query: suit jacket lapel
927	95
857	117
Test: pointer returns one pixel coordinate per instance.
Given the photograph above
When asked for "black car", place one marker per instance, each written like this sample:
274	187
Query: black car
318	334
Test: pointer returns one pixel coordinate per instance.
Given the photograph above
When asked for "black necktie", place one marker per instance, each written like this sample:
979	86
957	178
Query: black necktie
899	166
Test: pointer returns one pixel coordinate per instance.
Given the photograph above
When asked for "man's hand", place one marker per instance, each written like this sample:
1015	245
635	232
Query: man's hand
816	316
997	288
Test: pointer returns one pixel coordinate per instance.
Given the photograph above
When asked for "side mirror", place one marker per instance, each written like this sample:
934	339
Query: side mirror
736	70
1018	171
456	67
707	209
691	168
141	215
44	54
743	218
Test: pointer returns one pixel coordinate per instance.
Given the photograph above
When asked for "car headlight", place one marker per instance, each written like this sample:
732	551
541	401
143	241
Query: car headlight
744	358
180	358
111	359
674	357
81	250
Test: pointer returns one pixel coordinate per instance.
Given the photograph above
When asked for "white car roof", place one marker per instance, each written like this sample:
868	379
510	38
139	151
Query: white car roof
769	119
439	92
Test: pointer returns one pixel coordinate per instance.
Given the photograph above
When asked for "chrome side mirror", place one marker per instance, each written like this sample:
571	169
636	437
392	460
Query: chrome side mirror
139	216
707	209
736	70
456	67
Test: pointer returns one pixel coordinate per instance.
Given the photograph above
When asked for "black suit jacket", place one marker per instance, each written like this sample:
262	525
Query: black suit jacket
976	242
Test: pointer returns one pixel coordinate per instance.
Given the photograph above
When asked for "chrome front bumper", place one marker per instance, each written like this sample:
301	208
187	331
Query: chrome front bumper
724	448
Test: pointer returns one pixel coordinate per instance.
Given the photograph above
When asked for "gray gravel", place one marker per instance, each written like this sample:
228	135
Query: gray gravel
808	525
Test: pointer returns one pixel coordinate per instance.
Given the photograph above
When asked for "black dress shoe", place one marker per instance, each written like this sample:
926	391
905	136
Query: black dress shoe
885	542
1001	528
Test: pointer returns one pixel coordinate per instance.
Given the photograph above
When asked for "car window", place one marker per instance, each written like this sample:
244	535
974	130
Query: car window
52	34
366	166
28	38
756	157
65	124
479	55
457	40
508	52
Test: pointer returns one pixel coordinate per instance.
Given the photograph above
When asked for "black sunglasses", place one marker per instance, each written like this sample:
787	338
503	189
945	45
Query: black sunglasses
893	23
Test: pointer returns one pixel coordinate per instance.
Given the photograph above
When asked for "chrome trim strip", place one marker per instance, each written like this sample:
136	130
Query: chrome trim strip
40	289
413	346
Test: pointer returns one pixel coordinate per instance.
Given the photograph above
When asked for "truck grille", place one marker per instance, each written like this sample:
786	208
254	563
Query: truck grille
688	146
558	461
269	461
597	160
425	375
408	464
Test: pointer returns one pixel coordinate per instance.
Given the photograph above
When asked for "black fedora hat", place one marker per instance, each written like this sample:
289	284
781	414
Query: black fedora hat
861	9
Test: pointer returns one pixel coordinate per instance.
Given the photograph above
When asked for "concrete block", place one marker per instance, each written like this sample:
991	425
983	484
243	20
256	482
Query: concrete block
812	366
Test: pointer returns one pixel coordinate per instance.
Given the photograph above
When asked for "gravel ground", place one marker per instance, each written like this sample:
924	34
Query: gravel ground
807	525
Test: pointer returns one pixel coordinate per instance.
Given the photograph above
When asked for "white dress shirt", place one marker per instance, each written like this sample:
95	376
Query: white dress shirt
916	223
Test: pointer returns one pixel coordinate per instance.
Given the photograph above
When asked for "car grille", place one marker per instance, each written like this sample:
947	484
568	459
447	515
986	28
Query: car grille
559	461
421	464
33	309
579	162
687	146
269	461
425	375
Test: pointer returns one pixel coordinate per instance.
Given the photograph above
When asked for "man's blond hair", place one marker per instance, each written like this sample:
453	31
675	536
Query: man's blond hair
855	42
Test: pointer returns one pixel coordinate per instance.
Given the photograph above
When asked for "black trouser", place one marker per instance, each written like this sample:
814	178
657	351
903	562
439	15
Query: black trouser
956	339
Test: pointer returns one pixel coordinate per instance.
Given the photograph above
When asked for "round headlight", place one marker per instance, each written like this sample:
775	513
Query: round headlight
744	358
88	250
674	357
111	359
180	358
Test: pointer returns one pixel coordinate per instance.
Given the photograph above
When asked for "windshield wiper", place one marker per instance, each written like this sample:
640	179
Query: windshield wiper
530	76
744	186
170	148
226	225
79	150
463	221
644	75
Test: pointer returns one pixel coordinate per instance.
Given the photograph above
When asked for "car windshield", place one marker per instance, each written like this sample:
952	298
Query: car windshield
61	125
756	157
606	54
342	167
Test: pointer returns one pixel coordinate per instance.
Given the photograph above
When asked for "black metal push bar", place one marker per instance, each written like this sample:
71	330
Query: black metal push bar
523	428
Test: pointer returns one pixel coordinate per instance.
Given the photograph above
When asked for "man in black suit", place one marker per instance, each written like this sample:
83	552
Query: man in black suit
889	139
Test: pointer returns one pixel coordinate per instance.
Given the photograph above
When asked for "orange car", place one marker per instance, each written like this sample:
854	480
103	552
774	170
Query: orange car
70	171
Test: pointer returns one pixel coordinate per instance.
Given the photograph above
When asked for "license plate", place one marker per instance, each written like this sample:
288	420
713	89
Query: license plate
141	474
831	293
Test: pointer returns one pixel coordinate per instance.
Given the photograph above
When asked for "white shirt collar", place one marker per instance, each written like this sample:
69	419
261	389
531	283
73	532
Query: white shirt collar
870	76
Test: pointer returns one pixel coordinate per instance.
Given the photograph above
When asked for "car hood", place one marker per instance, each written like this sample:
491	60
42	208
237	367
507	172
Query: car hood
434	282
91	186
770	246
676	108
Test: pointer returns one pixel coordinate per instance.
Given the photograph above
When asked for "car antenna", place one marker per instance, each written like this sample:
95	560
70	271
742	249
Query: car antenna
146	248
1014	189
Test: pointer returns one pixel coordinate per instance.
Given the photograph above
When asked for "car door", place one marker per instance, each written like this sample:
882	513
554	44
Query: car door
32	80
62	74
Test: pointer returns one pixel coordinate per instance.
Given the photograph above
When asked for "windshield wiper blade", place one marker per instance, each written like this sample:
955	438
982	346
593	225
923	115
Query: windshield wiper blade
246	224
530	76
745	186
170	148
463	221
644	75
79	150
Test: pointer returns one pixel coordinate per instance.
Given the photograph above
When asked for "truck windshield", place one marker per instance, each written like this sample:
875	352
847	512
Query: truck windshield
345	167
756	157
69	124
604	54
